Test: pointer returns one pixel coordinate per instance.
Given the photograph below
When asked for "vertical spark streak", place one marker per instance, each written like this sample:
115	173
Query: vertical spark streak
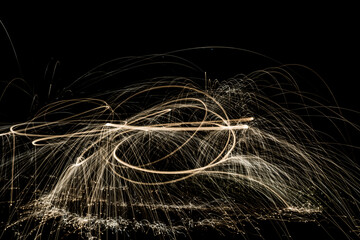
12	170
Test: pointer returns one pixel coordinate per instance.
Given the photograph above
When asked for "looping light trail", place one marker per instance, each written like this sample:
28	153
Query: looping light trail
156	154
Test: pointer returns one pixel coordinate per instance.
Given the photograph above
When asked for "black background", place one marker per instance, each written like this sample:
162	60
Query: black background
324	38
321	37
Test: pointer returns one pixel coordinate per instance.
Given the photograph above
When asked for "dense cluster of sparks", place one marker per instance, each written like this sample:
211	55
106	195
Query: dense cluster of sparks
167	155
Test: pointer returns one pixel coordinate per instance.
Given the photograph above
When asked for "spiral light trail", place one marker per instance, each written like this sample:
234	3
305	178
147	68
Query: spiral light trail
167	156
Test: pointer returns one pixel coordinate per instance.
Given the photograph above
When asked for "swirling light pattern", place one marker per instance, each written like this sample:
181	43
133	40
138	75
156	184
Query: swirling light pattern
167	156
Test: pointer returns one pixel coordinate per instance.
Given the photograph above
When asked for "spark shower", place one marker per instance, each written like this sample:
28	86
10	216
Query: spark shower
157	145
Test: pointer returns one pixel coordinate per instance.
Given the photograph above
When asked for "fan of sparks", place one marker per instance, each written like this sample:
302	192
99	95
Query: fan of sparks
169	153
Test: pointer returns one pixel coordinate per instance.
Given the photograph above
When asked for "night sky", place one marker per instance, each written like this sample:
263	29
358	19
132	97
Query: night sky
323	38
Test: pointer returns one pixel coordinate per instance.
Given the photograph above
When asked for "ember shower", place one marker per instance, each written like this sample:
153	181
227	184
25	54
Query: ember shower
176	150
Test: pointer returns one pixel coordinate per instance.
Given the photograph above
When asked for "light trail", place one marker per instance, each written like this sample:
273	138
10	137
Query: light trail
167	155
